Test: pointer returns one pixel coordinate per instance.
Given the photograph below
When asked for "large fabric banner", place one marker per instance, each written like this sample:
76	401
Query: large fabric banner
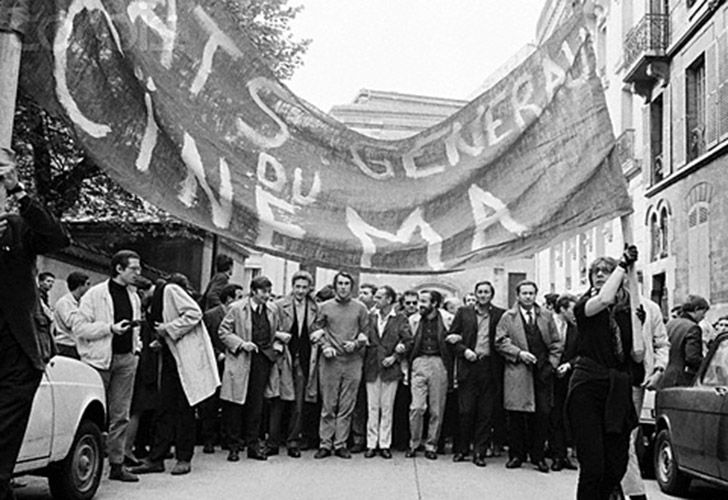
170	98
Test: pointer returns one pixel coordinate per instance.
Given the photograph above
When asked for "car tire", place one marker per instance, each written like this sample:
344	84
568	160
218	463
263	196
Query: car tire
77	476
667	473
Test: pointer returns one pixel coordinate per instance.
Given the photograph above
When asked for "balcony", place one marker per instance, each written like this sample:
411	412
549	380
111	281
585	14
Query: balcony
645	53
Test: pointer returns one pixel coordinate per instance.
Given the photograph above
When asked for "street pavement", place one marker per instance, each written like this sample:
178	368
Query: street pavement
332	478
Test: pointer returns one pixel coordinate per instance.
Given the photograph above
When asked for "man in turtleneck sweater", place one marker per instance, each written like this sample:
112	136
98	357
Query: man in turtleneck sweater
341	329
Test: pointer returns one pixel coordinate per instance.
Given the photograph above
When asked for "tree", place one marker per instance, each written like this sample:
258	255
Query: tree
69	182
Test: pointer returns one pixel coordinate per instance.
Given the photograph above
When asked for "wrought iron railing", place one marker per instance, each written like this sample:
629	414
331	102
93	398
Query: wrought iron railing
651	36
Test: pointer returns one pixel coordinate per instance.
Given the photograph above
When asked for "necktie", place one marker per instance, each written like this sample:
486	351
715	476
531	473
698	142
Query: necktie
530	318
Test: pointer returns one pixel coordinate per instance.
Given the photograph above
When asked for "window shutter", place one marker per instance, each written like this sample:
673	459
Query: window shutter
711	89
722	103
678	130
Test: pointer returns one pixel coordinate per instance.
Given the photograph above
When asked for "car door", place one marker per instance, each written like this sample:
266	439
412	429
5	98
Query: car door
39	434
714	382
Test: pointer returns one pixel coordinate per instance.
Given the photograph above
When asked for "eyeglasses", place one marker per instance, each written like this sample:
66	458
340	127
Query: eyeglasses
408	303
603	270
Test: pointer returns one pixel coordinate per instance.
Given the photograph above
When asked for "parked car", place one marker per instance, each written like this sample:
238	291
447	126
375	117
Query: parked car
692	426
63	440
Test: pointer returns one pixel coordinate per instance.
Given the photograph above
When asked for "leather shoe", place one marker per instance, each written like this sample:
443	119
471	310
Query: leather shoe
322	453
294	453
272	452
357	448
385	453
569	465
410	453
370	453
256	454
233	456
557	465
431	455
147	467
479	460
514	463
458	457
120	473
343	453
208	449
180	468
542	466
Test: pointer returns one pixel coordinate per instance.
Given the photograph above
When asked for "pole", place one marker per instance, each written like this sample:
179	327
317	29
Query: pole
10	48
638	343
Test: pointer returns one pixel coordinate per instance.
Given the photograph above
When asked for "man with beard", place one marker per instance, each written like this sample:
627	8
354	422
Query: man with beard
298	312
430	372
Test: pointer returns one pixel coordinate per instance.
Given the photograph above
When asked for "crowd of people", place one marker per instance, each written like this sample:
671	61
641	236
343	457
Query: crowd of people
343	370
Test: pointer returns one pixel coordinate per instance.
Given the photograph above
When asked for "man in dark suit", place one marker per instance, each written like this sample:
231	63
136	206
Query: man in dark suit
389	339
566	328
25	342
686	343
223	273
210	408
479	372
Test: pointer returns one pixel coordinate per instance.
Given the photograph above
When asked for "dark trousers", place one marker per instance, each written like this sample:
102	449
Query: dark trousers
296	411
476	398
69	351
400	419
250	414
557	426
500	427
176	419
18	382
359	417
528	431
602	457
450	421
209	411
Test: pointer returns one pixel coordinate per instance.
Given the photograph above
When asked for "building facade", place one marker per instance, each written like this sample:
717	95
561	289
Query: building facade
664	66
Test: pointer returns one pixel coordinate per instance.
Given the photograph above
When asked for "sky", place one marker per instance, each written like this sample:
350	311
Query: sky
439	48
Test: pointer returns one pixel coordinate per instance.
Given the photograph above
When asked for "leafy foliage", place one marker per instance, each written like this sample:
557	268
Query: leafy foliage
54	166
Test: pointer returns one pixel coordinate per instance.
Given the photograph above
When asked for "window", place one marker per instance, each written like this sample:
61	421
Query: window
716	374
695	108
656	124
654	238
663	233
699	250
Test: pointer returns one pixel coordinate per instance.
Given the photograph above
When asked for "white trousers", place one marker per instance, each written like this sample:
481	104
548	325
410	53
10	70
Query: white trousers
380	403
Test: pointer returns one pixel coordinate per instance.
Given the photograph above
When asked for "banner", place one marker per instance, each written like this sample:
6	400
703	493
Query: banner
170	98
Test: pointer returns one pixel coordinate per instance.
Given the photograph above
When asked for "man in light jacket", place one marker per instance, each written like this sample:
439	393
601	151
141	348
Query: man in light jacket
106	328
249	330
657	352
527	338
188	374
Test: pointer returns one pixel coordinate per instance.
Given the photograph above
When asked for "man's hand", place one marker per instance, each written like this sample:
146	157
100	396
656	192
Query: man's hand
453	338
652	383
349	346
400	348
121	327
641	314
247	347
221	357
316	336
629	257
283	337
329	352
388	361
563	369
160	328
470	355
527	358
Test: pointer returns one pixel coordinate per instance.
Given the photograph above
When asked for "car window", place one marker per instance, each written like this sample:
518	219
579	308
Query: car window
717	372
